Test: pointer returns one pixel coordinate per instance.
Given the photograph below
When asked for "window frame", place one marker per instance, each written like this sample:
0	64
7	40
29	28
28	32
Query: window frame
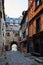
36	6
37	24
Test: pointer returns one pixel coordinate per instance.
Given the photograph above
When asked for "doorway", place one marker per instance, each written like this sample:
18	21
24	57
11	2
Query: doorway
14	47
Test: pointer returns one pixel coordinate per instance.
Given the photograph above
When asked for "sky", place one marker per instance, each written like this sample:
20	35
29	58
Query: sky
14	8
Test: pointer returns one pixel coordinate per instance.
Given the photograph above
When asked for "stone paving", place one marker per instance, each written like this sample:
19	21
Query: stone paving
2	60
17	58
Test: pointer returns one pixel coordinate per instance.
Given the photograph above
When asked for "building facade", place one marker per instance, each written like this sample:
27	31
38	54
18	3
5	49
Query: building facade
24	32
2	26
35	20
11	34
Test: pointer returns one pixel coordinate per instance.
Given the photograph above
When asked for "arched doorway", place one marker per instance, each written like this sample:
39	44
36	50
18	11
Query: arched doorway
13	46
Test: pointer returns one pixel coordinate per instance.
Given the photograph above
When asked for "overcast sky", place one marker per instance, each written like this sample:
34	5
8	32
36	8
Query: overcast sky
14	8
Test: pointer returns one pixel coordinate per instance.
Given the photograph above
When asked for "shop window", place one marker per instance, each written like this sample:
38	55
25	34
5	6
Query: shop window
38	25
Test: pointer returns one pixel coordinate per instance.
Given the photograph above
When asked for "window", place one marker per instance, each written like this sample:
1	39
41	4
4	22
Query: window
38	2
3	33
26	31
24	44
38	25
24	34
8	34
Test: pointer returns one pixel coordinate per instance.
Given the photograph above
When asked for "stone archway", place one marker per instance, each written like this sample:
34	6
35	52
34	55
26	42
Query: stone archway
11	43
14	47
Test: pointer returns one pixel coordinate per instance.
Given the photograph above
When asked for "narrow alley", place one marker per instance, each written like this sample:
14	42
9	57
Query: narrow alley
21	32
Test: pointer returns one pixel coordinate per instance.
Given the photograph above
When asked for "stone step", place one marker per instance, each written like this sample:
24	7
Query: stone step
27	54
38	59
41	58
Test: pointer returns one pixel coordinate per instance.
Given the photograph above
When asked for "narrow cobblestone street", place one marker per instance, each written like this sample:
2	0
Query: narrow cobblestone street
21	32
17	58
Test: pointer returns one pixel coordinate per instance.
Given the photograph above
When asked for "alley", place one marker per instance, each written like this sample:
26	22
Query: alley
16	58
21	32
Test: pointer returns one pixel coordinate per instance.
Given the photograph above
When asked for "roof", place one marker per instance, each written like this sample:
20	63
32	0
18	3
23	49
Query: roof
24	17
13	20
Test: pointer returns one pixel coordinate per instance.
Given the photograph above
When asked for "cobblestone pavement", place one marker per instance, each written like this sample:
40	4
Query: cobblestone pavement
17	58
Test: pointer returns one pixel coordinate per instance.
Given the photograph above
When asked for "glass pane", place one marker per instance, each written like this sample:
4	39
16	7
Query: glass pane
38	2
